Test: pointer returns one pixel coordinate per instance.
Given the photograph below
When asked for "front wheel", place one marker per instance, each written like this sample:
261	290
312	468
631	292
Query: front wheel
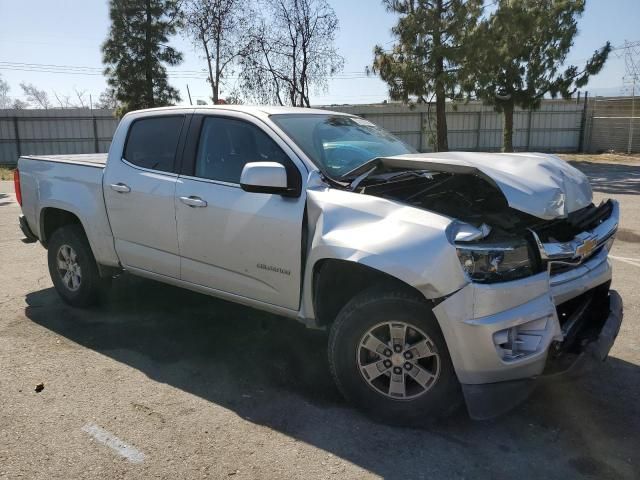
73	267
389	358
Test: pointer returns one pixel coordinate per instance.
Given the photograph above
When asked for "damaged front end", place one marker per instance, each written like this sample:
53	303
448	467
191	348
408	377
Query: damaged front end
538	296
496	242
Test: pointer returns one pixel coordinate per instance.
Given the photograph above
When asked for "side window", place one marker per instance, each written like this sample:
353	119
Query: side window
152	142
226	145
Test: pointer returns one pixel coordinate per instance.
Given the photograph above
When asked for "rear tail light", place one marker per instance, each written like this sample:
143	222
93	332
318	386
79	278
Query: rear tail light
16	185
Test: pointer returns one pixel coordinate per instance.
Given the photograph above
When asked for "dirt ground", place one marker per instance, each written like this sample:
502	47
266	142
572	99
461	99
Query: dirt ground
159	382
6	173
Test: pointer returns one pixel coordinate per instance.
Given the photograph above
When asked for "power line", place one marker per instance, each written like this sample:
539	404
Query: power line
186	74
77	69
48	65
171	74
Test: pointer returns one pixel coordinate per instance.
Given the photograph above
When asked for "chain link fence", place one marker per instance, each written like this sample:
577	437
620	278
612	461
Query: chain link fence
613	125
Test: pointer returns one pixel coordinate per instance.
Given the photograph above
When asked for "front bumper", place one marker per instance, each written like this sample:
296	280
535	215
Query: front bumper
503	336
492	399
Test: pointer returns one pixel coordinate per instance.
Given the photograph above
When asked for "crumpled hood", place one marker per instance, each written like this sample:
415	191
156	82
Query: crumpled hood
535	183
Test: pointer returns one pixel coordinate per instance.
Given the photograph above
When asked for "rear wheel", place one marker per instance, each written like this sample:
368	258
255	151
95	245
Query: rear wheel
389	358
73	268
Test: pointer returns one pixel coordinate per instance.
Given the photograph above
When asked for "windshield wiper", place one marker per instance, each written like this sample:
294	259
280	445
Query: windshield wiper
410	173
361	178
355	183
359	170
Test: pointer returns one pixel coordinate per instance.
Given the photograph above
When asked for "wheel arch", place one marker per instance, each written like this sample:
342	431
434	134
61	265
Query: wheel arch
53	218
354	278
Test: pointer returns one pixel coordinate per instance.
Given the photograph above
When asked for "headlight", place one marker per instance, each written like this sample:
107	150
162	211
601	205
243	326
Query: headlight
609	243
498	262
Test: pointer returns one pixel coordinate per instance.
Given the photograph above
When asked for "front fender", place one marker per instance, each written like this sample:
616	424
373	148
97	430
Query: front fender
407	243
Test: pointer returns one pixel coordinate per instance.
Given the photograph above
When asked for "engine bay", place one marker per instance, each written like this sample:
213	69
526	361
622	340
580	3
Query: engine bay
476	201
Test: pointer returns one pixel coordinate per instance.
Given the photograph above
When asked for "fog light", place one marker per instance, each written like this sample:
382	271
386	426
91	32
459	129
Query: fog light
520	341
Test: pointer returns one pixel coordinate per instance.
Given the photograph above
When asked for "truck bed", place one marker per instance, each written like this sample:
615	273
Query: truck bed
71	183
97	160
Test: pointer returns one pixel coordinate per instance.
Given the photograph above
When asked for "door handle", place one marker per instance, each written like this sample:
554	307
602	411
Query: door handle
120	187
193	201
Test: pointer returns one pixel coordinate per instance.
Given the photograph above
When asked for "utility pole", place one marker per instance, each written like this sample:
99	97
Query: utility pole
189	93
633	111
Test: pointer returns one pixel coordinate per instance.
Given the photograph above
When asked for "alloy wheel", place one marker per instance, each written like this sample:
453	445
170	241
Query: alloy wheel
68	267
398	360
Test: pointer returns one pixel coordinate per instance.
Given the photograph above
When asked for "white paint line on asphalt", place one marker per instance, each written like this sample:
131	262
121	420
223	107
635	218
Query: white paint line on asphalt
631	261
625	258
113	442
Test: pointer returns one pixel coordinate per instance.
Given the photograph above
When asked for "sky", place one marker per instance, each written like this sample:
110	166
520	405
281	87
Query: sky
68	34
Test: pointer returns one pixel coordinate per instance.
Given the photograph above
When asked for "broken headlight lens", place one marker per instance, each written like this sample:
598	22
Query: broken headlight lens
499	262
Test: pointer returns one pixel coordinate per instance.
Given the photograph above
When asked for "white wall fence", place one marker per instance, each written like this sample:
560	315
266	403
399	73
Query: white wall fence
54	131
557	125
602	124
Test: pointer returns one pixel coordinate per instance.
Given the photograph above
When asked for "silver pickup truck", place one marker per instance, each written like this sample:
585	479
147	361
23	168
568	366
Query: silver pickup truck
440	278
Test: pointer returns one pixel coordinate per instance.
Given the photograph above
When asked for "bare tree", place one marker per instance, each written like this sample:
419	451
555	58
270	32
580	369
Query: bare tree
35	97
219	28
80	95
19	104
63	100
107	100
234	97
5	100
292	51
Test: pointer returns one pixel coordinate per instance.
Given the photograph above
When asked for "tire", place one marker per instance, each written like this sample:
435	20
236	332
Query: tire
371	314
82	293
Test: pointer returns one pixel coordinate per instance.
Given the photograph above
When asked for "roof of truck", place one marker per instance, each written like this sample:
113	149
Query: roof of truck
264	109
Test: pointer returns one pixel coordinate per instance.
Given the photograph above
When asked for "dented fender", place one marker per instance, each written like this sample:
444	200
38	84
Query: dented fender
405	242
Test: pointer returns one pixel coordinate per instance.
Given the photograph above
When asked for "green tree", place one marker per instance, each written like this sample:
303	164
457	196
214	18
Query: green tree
519	54
430	46
136	51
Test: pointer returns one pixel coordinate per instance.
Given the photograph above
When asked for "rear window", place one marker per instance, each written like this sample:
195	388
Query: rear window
153	142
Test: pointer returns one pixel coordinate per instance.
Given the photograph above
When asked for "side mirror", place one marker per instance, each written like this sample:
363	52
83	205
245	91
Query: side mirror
264	177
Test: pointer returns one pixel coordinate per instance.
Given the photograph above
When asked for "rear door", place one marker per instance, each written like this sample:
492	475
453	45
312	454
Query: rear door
248	244
139	193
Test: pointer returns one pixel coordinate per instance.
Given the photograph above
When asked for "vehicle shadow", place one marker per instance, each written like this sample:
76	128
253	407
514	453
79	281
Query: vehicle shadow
273	372
611	178
4	196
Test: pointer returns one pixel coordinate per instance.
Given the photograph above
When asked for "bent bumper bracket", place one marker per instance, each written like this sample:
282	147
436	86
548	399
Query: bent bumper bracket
489	400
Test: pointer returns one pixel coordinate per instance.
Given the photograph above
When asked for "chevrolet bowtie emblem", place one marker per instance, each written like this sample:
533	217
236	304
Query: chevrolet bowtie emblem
586	248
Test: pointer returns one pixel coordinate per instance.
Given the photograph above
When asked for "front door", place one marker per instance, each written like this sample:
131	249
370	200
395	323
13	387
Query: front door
139	193
248	244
